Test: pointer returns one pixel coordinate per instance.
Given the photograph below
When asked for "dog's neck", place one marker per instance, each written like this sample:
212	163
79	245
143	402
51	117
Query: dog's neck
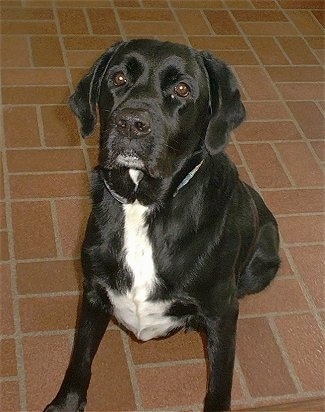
128	193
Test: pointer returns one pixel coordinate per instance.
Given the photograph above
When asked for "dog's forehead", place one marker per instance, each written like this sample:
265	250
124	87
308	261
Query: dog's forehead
160	55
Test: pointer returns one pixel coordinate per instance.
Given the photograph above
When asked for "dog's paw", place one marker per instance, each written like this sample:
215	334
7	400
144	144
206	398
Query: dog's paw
65	407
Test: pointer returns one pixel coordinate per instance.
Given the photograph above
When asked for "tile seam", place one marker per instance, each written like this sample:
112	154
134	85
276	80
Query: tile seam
285	356
132	372
19	350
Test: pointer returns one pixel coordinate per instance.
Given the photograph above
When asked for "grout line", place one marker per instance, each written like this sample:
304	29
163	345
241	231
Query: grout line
167	364
132	371
183	31
13	275
88	22
282	164
243	382
40	125
284	354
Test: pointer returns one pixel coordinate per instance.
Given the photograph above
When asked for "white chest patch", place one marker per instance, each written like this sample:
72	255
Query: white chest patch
144	318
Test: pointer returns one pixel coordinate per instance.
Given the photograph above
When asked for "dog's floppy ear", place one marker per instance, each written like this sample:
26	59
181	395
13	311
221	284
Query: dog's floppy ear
84	100
227	110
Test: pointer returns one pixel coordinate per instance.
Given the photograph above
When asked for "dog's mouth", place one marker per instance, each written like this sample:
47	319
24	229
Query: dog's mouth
130	160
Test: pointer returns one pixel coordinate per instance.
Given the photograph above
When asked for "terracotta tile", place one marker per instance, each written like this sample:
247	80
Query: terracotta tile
297	50
295	201
285	267
103	21
145	15
319	148
90	42
301	91
35	95
310	261
218	43
49	276
110	385
81	3
6	314
259	15
4	248
261	360
301	4
296	229
26	77
172	386
239	4
2	190
21	127
14	51
312	125
277	28
82	58
49	313
221	22
244	176
296	73
305	23
283	295
26	13
192	21
126	3
261	131
154	3
204	4
3	220
180	346
265	166
233	154
250	76
268	50
266	111
67	16
296	154
33	231
46	359
264	4
47	160
46	51
8	355
49	185
306	353
148	28
72	217
315	42
27	27
9	396
319	15
60	127
239	57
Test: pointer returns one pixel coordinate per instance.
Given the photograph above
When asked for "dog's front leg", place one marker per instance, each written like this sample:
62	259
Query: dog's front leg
221	336
92	323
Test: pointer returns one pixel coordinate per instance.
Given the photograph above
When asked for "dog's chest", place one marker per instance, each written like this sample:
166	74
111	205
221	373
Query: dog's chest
145	318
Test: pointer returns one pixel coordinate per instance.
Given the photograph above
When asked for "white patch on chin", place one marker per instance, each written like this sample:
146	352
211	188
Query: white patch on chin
144	318
129	160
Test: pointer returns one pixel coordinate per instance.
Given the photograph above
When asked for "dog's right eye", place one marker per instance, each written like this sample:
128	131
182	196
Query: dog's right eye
119	79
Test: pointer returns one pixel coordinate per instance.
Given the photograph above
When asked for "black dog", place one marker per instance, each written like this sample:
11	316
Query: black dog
174	237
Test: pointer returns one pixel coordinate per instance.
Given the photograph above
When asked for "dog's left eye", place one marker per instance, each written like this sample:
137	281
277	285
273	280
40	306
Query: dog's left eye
119	79
182	89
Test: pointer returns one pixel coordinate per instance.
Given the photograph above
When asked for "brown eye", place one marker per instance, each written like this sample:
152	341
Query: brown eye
119	79
182	89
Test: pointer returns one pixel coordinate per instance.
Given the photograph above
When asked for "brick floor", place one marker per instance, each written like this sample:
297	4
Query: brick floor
276	48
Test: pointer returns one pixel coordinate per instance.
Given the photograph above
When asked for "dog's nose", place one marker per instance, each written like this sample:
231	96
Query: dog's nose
133	122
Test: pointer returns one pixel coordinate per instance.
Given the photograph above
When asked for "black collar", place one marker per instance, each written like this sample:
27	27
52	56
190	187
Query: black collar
184	182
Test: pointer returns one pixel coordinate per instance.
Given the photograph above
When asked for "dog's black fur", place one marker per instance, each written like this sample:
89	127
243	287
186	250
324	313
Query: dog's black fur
213	239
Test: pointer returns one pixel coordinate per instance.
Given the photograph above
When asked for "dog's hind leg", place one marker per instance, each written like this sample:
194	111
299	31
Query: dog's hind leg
92	323
264	263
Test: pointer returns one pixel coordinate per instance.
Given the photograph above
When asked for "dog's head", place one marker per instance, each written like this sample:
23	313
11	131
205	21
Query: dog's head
158	102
